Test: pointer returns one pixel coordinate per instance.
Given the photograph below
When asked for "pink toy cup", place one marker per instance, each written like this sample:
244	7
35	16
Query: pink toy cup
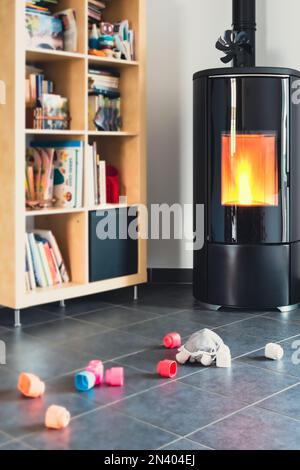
167	368
115	377
172	341
96	368
57	417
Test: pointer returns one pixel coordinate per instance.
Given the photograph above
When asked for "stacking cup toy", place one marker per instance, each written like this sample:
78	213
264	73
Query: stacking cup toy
172	341
96	368
57	417
167	368
84	381
274	351
30	385
115	377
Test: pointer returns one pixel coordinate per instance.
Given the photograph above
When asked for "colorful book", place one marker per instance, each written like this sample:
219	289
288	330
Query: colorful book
37	264
30	264
48	235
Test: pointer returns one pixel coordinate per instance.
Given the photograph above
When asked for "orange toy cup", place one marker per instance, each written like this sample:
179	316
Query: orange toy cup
57	417
172	341
167	368
30	385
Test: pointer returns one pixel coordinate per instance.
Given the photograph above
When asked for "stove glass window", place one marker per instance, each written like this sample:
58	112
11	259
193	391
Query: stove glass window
249	170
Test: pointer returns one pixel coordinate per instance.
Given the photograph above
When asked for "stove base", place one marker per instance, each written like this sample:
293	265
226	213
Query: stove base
253	277
215	308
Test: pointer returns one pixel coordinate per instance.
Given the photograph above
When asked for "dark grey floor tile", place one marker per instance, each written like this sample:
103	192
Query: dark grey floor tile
289	364
252	429
239	342
185	444
178	406
159	299
79	305
285	403
147	361
4	438
47	361
109	345
159	327
293	316
63	329
213	319
15	445
20	416
104	429
29	317
265	328
116	316
242	382
19	343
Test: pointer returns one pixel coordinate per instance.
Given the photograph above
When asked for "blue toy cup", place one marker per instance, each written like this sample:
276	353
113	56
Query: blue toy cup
84	381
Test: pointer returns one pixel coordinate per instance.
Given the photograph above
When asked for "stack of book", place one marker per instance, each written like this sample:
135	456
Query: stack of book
54	175
96	177
104	100
50	31
36	85
95	9
44	265
103	180
44	109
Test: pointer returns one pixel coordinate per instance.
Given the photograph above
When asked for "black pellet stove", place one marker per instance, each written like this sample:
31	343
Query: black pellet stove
247	176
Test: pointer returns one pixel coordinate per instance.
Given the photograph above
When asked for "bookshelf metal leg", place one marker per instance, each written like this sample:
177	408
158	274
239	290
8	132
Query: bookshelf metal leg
62	304
17	319
135	293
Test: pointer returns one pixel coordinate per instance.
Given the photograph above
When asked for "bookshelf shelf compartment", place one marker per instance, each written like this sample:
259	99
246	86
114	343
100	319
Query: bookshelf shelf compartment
44	56
111	63
53	211
49	132
112	134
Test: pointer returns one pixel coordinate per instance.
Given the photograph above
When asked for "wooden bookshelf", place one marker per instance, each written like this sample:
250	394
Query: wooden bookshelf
126	150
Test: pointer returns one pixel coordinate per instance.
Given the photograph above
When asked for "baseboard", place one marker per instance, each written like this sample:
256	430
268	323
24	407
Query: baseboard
170	276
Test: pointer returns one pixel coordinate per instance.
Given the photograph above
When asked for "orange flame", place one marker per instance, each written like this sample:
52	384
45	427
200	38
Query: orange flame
249	170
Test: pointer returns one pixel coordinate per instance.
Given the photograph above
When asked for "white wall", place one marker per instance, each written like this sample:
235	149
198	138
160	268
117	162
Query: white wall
181	39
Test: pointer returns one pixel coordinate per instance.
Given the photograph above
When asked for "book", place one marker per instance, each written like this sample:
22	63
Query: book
30	264
43	31
90	176
44	261
68	18
37	264
102	182
48	235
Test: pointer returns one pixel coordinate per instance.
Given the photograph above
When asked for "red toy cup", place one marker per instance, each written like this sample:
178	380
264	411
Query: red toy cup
96	368
115	377
172	340
167	368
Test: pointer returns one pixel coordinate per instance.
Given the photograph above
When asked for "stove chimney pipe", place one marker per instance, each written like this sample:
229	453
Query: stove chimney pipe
244	19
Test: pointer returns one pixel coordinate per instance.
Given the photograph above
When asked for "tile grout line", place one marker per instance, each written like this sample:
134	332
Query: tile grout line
182	438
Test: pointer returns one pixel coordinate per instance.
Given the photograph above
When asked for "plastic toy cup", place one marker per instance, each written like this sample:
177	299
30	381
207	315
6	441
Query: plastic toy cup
84	381
172	340
96	368
57	417
115	377
167	368
30	385
274	351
